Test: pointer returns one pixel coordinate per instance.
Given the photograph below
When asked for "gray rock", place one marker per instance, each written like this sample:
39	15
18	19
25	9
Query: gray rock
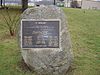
49	61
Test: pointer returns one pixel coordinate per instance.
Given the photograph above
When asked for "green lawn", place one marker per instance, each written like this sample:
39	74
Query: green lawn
84	27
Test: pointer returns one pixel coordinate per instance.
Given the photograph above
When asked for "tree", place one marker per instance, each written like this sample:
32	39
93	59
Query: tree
10	22
1	3
54	2
24	5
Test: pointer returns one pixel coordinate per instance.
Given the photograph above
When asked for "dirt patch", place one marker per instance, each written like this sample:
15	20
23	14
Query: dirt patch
6	36
24	67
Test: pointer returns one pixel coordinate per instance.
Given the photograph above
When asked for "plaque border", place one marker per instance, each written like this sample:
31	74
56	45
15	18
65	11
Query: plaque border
40	20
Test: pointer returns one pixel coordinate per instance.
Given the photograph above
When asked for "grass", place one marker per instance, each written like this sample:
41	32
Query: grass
10	55
84	27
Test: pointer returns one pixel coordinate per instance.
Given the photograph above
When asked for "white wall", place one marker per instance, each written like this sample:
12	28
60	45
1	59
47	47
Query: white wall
91	5
67	3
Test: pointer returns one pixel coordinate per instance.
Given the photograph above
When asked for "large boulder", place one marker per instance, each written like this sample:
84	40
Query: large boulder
49	61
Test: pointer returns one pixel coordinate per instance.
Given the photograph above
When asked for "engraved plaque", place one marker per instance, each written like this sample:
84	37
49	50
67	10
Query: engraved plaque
40	33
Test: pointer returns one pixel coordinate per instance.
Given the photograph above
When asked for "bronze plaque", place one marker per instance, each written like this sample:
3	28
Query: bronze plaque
40	33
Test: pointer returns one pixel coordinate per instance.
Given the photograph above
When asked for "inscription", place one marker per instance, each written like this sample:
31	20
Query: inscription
40	34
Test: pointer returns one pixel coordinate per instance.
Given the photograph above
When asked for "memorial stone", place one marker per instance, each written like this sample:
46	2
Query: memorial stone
45	41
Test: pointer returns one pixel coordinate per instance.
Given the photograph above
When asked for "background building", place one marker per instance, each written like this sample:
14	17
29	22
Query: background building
76	3
68	3
73	3
91	4
15	2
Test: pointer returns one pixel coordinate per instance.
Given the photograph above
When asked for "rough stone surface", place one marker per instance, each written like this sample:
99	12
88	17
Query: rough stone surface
49	61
